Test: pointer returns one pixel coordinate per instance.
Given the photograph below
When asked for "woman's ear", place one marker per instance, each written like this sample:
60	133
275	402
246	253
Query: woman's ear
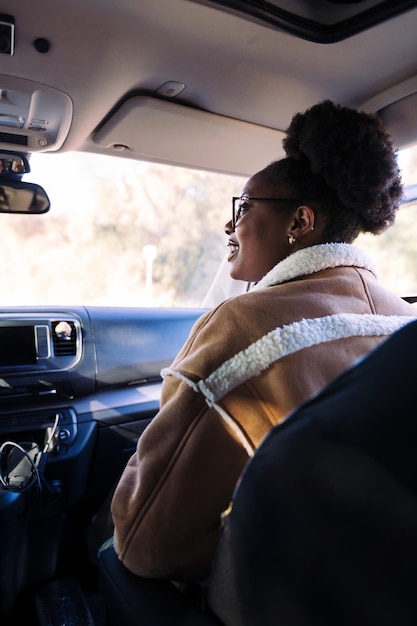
303	221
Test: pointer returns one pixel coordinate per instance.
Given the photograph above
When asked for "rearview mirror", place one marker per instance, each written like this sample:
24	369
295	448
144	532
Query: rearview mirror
19	197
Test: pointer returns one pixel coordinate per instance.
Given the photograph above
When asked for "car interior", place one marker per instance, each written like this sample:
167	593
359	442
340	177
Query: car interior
206	86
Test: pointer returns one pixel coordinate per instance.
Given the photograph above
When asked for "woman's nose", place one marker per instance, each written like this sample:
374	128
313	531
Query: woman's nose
228	228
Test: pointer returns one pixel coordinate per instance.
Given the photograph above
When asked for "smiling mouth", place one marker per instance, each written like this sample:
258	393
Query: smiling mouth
232	248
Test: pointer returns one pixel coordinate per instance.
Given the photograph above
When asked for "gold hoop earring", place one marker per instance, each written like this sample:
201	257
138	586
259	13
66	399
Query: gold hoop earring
291	239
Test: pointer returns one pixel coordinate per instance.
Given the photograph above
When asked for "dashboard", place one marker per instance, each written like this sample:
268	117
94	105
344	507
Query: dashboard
79	351
83	383
86	367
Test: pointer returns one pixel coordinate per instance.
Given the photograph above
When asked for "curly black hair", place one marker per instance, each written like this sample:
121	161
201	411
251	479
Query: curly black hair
342	161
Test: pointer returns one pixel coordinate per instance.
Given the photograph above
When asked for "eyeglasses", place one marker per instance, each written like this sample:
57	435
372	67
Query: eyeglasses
243	202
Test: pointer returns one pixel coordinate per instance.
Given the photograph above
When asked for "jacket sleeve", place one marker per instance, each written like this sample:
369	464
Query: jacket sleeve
168	503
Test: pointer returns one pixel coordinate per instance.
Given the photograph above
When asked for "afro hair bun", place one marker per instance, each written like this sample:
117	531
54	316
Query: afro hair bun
353	153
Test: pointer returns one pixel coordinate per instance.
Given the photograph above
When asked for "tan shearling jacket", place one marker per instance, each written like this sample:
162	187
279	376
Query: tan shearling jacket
245	365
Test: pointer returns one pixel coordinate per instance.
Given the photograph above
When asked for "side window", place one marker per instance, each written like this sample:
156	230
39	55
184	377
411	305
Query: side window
394	252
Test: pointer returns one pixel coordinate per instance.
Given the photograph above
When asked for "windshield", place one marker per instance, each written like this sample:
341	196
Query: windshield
128	233
119	232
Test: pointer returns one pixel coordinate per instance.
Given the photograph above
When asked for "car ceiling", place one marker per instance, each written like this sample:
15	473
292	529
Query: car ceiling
116	65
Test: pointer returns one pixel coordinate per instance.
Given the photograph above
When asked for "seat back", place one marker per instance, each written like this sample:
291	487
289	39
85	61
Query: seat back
323	527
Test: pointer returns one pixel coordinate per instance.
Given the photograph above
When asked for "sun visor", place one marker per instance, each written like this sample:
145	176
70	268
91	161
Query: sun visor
401	120
168	132
33	117
397	106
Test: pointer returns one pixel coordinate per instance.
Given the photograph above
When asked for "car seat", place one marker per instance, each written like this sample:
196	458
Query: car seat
323	523
323	528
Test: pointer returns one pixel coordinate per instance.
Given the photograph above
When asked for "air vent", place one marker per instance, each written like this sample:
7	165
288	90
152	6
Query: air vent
64	338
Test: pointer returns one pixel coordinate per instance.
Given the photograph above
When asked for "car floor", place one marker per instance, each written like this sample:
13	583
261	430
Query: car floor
61	602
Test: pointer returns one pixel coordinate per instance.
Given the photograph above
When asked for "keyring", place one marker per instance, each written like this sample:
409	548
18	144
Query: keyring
19	465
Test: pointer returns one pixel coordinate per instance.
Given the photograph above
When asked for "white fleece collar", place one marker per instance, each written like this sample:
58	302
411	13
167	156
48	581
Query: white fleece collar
313	259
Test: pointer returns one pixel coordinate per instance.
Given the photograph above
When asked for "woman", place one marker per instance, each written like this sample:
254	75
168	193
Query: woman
316	307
